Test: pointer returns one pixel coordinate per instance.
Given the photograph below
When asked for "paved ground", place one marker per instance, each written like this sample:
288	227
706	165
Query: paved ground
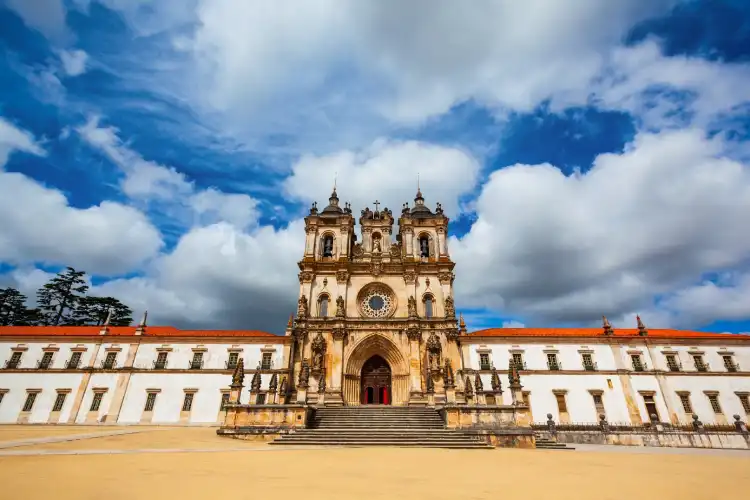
176	463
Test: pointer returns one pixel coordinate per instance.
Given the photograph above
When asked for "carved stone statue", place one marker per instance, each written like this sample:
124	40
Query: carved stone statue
429	382
302	307
319	350
478	383
304	374
434	352
238	377
322	382
340	307
424	247
376	245
255	382
450	309
412	307
357	250
328	247
513	377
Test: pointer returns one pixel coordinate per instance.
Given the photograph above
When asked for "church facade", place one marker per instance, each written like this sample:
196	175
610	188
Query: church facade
375	324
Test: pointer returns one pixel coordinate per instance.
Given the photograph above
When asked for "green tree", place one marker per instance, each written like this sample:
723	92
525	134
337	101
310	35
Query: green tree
59	299
94	311
13	310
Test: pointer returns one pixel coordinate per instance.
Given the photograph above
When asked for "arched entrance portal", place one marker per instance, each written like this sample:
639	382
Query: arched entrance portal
376	382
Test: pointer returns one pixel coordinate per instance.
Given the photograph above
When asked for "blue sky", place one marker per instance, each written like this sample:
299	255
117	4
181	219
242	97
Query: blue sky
594	162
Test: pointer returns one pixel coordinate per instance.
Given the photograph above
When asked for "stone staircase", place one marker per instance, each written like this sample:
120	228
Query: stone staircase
549	444
406	426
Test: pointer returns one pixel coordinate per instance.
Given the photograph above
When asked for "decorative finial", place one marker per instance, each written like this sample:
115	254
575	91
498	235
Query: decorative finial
606	326
461	323
143	320
641	327
109	317
290	323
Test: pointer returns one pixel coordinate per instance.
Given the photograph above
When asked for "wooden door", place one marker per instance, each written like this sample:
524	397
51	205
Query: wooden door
376	381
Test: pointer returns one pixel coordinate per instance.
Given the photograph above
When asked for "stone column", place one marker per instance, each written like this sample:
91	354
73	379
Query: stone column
442	251
334	394
627	387
408	236
123	381
416	395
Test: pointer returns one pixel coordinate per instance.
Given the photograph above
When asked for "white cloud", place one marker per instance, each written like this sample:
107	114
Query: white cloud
387	171
14	139
513	324
39	226
646	222
147	181
74	61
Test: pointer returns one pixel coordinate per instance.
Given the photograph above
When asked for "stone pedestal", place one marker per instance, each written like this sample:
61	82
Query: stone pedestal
450	395
253	398
234	394
431	399
480	399
301	395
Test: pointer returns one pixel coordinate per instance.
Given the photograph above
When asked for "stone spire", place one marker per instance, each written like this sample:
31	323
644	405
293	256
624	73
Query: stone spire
273	384
461	325
141	329
238	377
478	383
468	390
255	382
641	327
105	326
496	384
607	326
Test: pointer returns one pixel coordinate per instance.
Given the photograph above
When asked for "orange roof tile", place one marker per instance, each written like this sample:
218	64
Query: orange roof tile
150	331
598	332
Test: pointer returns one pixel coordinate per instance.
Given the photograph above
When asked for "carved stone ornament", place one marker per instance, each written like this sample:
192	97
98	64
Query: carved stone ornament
318	353
304	374
340	307
414	333
305	277
434	353
283	387
375	268
302	307
451	333
450	309
311	229
274	383
468	390
446	278
255	382
496	385
478	383
299	334
429	382
338	334
357	250
513	377
448	379
410	277
395	250
376	246
412	307
342	276
322	382
238	377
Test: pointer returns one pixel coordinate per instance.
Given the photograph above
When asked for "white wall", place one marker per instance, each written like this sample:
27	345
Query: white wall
18	383
214	358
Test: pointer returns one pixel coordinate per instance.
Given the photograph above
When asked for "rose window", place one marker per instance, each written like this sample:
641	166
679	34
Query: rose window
376	302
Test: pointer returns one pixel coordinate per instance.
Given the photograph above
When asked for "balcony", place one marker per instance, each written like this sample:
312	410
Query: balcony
266	366
674	367
230	365
734	367
43	364
554	365
485	366
701	367
160	365
73	364
108	365
520	365
195	365
12	364
639	366
590	367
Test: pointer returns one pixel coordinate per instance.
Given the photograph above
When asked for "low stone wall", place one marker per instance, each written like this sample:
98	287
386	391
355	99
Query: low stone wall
265	419
671	439
485	416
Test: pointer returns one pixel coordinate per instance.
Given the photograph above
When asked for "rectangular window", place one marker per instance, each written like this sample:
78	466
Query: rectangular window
714	400
561	406
588	362
552	362
74	361
700	365
59	401
29	403
518	360
265	363
161	361
150	401
234	358
15	360
686	405
598	404
224	400
197	361
109	361
46	361
97	401
484	361
672	364
428	307
260	399
650	404
637	363
744	401
729	363
187	404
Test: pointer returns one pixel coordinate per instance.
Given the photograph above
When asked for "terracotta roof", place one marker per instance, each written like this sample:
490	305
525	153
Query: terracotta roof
599	332
150	331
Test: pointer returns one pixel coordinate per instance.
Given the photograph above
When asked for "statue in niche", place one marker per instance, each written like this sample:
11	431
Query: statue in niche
450	308
328	246
424	247
319	350
412	307
340	307
434	352
322	382
302	307
376	245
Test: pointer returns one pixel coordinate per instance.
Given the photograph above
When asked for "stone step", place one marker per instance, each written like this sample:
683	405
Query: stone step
399	443
375	425
378	432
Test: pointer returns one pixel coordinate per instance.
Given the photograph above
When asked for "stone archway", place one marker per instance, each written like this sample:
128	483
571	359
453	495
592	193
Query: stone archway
363	351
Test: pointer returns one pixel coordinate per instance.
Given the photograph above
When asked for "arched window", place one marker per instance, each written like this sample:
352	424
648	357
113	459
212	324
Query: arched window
328	246
424	246
323	306
428	306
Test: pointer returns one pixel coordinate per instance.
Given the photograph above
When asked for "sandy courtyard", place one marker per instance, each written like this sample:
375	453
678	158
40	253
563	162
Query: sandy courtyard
237	469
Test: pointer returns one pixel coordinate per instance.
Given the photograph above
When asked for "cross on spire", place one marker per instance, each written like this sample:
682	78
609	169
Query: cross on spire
377	204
